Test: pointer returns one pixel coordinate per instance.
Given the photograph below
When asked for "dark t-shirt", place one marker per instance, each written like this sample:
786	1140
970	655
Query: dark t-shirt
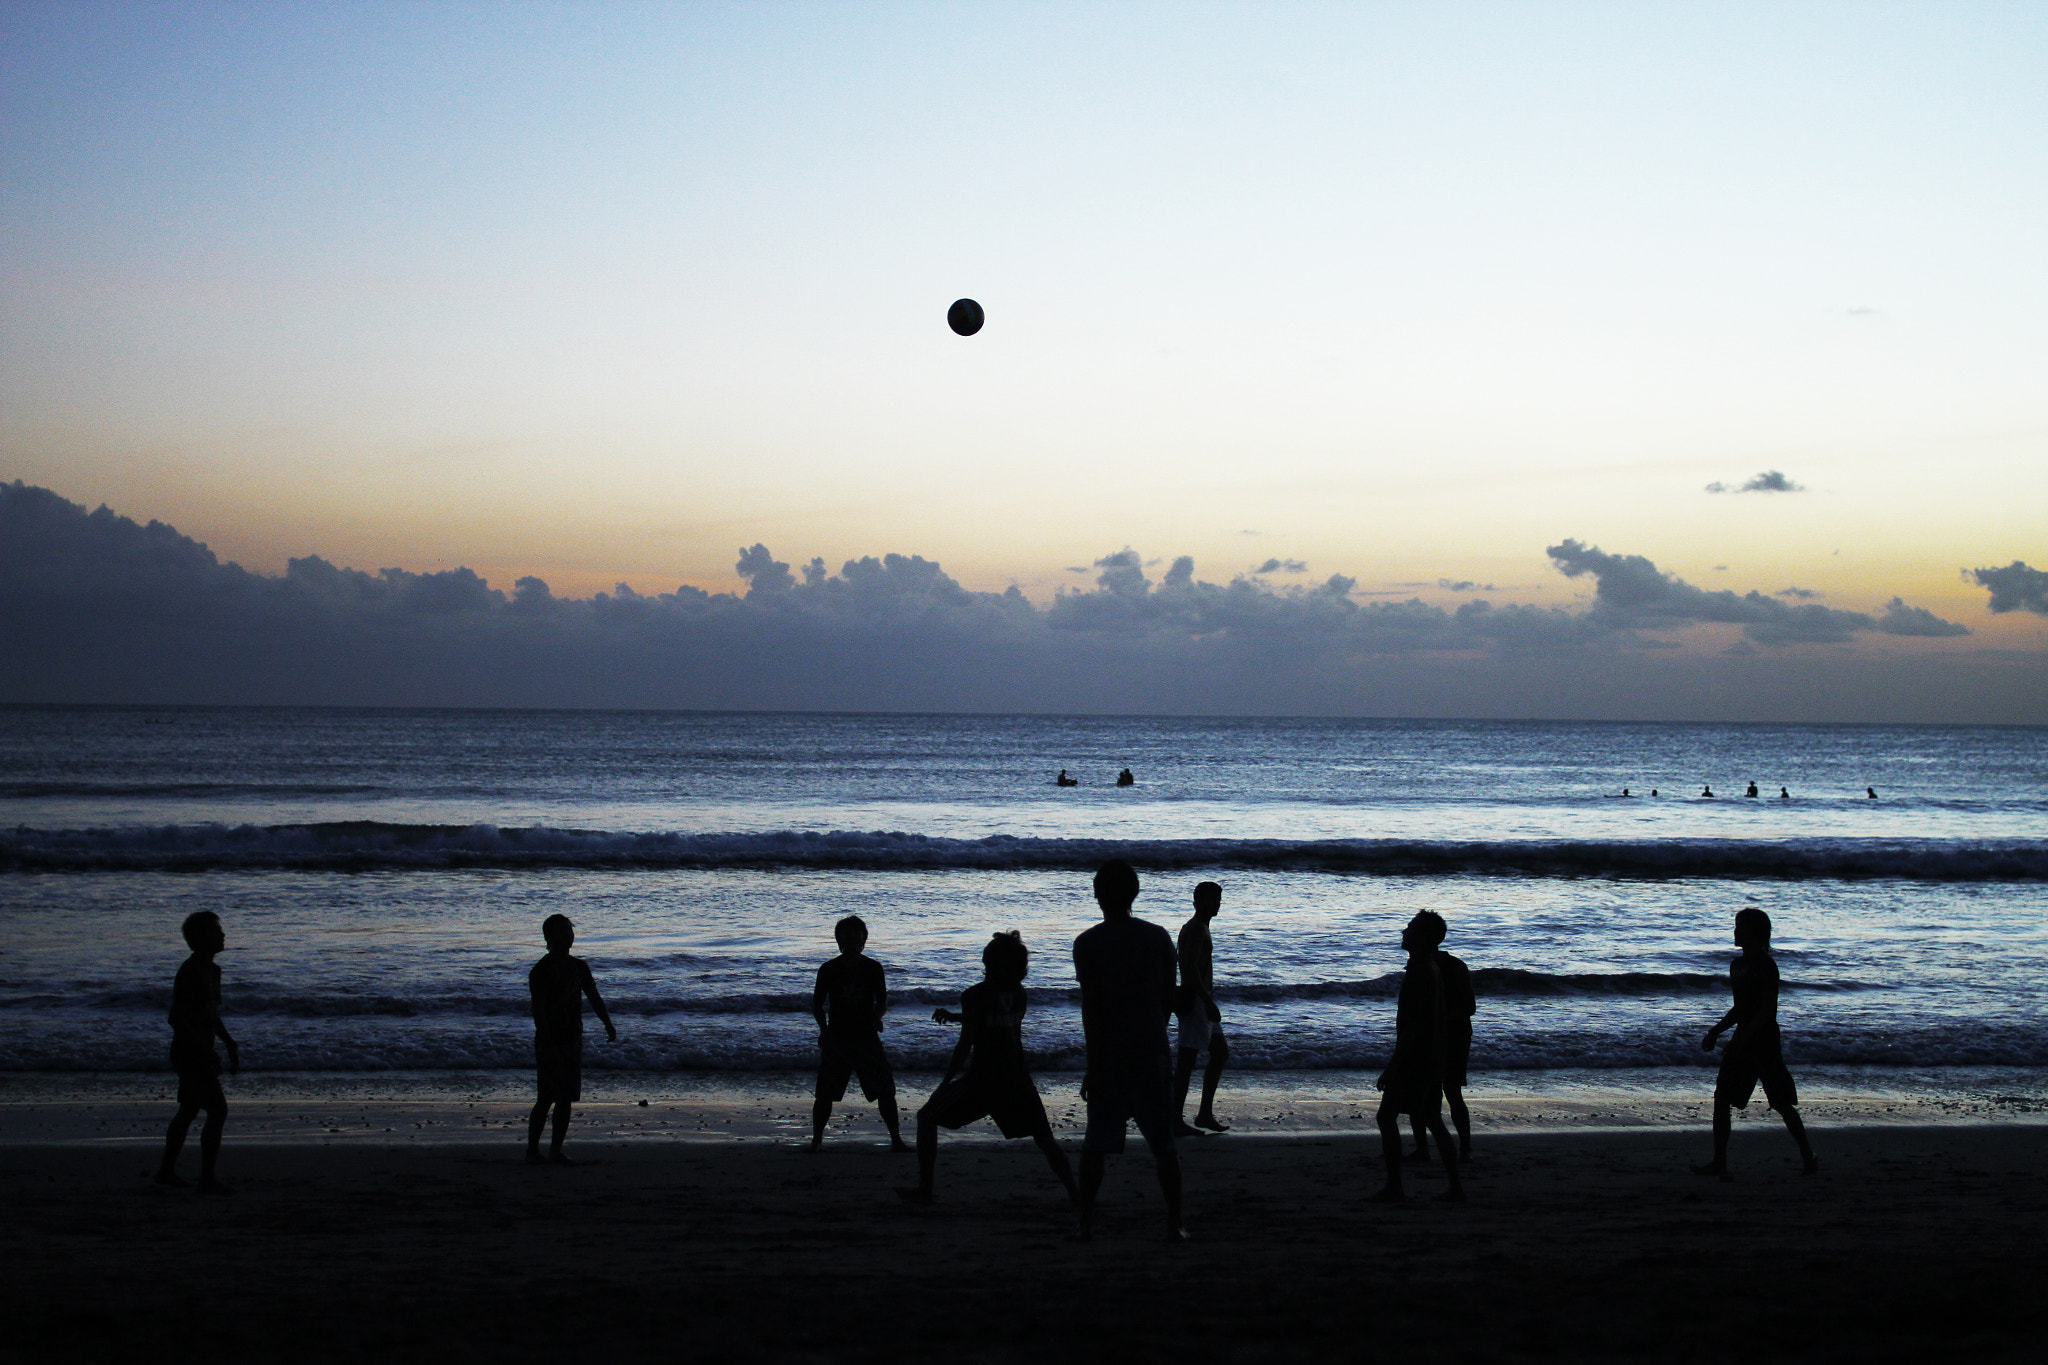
994	1020
1127	971
853	993
1197	962
1754	979
557	985
195	1006
1419	1015
1459	1002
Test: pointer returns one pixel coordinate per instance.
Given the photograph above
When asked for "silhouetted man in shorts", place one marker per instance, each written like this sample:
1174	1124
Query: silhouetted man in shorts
1459	1007
848	1000
1126	969
195	1023
1755	1055
996	1082
1198	1022
1413	1083
558	984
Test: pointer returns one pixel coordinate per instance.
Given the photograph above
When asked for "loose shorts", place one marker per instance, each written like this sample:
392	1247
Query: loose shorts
844	1055
1013	1104
1139	1092
1748	1062
198	1078
1412	1087
1199	1026
1457	1053
558	1069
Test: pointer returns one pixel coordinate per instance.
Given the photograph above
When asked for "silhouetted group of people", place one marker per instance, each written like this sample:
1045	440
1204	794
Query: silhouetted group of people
1133	981
1124	778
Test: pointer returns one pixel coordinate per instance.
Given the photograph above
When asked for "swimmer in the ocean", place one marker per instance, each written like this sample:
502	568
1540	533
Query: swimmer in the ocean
1706	791
1870	792
1751	791
1784	795
1064	781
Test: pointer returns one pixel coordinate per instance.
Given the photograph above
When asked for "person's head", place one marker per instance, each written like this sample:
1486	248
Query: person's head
203	933
1752	928
1424	932
851	934
1208	899
1006	961
1116	886
559	933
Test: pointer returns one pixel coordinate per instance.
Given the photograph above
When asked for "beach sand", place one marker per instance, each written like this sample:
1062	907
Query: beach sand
1914	1241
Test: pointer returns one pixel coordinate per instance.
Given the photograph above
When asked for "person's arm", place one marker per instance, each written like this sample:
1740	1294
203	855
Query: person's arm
1169	963
818	999
1087	1029
611	1035
881	997
220	1031
969	1026
1738	1013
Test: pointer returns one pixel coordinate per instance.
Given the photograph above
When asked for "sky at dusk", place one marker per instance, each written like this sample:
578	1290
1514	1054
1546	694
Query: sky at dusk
1354	306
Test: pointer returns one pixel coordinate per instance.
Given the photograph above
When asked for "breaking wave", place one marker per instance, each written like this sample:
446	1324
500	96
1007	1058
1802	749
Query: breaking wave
363	845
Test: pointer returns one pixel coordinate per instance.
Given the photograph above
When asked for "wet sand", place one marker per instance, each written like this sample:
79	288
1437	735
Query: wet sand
1912	1242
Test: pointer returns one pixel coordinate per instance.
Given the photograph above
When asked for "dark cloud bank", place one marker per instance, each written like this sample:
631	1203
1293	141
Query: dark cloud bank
95	608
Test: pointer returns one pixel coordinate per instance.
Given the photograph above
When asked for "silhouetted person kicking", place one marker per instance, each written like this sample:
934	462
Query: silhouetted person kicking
996	1083
848	1001
1413	1082
195	1023
558	983
1459	1007
1755	1054
1200	1023
1126	970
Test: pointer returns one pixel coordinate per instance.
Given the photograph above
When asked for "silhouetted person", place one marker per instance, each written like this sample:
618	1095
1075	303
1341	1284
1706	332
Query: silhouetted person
1706	791
1784	795
996	1082
1200	1023
1126	970
1124	779
1459	1006
1626	792
1870	792
558	983
1064	781
195	1023
1413	1082
1653	791
1755	1054
1752	790
848	1001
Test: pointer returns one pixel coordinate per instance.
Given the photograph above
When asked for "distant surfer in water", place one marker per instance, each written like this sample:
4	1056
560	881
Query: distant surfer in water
1124	779
1064	781
1752	790
1706	791
1784	795
1870	792
1755	1054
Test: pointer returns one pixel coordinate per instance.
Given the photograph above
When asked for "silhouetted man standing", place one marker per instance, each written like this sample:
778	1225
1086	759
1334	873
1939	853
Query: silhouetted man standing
1413	1082
1459	1007
195	1023
848	1000
1755	1054
1200	1023
1126	970
558	984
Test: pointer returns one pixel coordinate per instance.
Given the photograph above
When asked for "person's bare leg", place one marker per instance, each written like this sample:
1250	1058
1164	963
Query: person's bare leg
893	1123
174	1143
1461	1119
821	1111
1183	1072
535	1122
1420	1151
1091	1185
1168	1163
1723	1122
1390	1153
209	1150
555	1156
1808	1162
1056	1159
1456	1193
1205	1117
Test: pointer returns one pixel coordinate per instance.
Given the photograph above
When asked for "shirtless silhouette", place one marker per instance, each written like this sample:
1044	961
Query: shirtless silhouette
1413	1082
1755	1054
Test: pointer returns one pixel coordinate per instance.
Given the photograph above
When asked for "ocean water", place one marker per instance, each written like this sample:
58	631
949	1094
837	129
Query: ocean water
382	876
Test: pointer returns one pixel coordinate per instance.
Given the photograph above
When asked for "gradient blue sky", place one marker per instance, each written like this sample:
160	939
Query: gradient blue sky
1402	291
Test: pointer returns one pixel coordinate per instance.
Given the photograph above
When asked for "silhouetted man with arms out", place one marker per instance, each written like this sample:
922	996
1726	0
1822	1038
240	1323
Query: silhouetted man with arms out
558	983
1413	1082
195	1023
848	1001
996	1083
1755	1054
1459	1007
1200	1023
1126	970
